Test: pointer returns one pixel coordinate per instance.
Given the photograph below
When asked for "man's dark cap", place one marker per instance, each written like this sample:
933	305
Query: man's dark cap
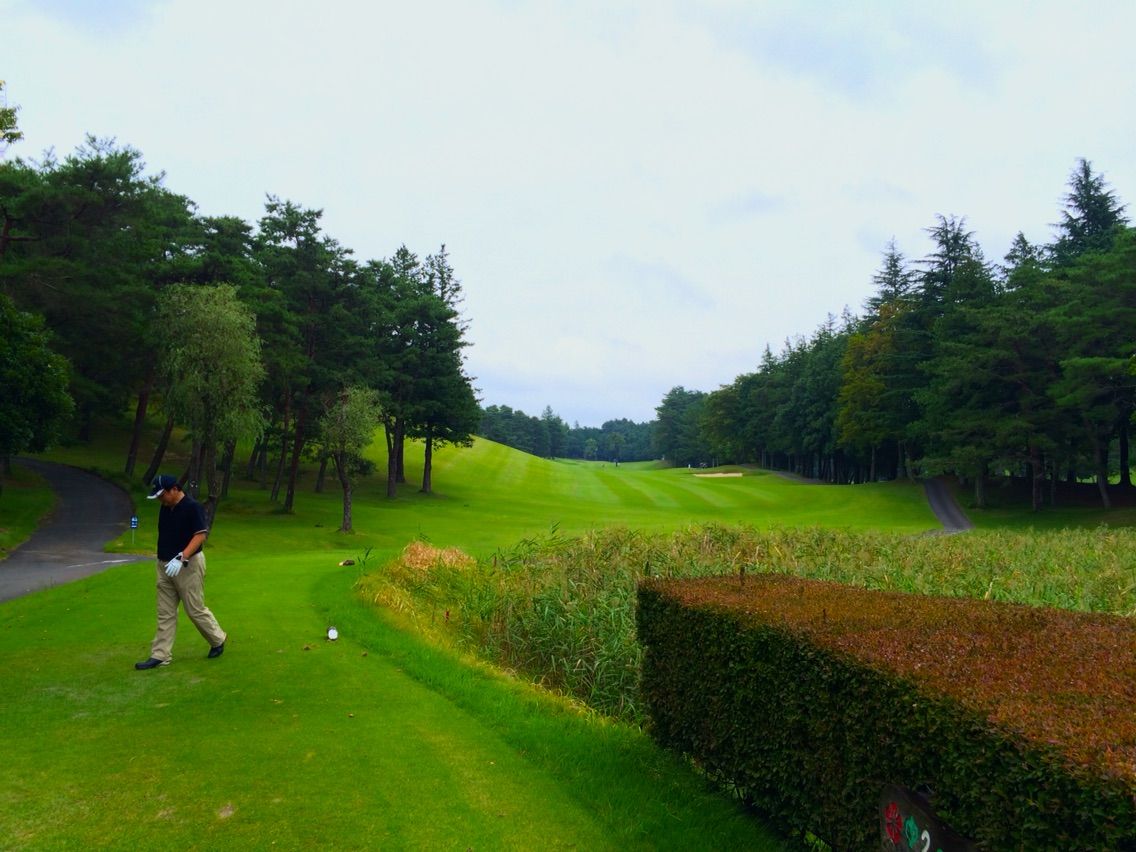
162	482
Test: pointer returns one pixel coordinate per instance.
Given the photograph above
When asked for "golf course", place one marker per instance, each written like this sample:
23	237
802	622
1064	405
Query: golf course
380	739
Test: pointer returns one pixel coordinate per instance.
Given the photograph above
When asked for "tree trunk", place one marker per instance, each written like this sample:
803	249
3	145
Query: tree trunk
227	467
1125	472
980	490
139	422
209	473
278	478
284	444
262	464
193	480
400	450
345	483
427	465
250	469
322	474
159	452
1101	448
1037	476
294	471
390	430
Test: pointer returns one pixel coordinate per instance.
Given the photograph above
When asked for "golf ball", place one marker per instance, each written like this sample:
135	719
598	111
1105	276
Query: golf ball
332	633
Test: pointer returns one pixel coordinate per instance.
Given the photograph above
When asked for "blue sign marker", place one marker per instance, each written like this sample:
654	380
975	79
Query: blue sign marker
134	522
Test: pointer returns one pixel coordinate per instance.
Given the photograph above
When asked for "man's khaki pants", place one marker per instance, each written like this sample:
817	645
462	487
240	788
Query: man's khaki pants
188	587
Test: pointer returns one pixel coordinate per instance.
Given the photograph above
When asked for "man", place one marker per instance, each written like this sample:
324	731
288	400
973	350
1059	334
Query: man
181	572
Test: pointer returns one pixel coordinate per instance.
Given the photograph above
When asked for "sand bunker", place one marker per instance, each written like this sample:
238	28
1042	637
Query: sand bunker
716	475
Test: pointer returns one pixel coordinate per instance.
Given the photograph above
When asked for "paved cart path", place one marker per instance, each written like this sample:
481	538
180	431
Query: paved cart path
946	507
89	511
940	498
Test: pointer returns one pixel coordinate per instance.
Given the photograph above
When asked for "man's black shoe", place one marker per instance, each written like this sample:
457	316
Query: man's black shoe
151	663
217	651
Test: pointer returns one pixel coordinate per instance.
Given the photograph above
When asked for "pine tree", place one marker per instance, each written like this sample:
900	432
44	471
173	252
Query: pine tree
895	283
1091	219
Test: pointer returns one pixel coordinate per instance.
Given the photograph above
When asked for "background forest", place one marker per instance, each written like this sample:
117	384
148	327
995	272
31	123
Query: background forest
1022	368
109	282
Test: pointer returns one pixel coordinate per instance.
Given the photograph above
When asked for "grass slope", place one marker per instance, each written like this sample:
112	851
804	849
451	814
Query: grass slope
24	502
377	740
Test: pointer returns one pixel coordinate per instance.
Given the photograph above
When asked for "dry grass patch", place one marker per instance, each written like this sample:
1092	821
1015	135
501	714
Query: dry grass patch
422	557
421	571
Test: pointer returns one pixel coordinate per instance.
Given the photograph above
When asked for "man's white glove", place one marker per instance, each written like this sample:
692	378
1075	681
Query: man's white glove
174	565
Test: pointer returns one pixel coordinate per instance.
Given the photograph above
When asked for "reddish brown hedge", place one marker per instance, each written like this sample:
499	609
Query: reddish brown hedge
1057	678
808	697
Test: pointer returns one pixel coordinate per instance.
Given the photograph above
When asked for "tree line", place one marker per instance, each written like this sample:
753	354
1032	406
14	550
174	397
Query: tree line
957	365
549	436
116	295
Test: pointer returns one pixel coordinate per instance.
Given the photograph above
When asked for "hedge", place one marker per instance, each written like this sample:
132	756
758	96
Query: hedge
809	697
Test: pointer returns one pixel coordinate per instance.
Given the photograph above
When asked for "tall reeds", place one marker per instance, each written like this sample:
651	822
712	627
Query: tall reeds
562	610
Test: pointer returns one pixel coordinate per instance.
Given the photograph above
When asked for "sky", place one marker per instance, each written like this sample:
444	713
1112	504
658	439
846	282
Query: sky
635	196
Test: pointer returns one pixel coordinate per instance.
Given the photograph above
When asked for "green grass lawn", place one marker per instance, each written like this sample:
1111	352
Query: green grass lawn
377	740
24	501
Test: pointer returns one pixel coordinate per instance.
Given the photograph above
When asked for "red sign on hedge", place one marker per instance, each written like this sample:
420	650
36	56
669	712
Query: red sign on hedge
907	824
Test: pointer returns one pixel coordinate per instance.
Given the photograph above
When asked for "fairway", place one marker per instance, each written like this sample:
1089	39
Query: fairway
376	740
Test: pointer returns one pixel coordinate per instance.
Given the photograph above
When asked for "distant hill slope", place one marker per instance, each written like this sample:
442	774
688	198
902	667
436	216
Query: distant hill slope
513	486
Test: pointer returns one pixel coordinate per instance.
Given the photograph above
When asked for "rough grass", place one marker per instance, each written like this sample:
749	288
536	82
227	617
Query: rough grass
24	502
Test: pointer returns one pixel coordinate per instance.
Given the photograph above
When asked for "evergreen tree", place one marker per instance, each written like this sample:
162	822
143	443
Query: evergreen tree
678	433
1022	258
402	298
1094	313
895	283
446	409
1091	219
34	405
872	415
87	243
313	323
722	422
557	433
